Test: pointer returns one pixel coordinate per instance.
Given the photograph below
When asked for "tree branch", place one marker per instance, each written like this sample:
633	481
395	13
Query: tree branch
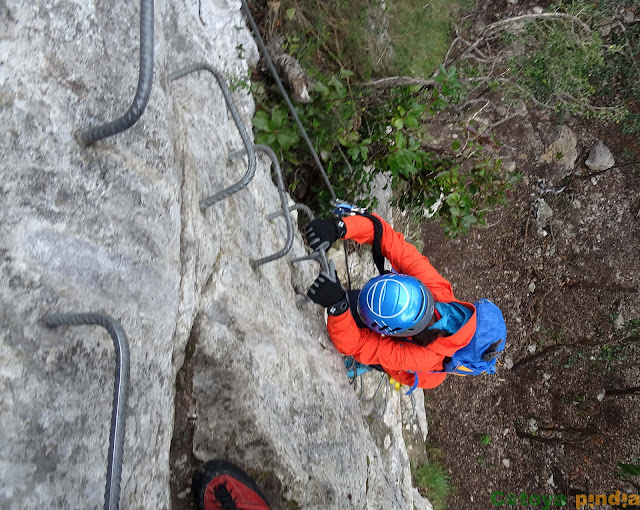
621	391
397	81
544	15
600	172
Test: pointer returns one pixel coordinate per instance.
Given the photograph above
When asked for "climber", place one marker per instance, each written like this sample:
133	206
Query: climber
408	322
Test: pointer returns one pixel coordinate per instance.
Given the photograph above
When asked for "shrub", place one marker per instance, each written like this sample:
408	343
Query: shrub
433	482
359	134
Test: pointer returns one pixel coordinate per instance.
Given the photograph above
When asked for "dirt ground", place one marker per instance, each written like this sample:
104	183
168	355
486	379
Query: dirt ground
562	411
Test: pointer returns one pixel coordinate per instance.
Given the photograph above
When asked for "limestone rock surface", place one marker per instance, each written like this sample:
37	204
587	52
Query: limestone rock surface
600	157
561	153
116	228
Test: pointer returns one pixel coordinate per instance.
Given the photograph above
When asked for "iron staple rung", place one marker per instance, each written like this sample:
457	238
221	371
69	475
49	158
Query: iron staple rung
143	91
248	146
120	394
284	201
319	254
295	207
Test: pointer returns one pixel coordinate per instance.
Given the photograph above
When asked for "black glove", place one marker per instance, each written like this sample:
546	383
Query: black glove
318	231
327	291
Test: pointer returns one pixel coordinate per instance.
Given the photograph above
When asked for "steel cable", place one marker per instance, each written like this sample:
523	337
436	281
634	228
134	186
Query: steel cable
285	96
120	394
143	92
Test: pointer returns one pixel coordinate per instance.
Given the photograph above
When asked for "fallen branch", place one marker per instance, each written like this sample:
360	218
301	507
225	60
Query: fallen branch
600	172
398	81
544	15
500	25
553	348
621	391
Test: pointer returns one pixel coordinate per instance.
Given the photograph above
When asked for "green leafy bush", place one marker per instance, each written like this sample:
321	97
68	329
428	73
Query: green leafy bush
275	130
359	135
571	64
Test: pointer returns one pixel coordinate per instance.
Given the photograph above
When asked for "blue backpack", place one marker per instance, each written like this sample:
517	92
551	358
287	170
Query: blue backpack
481	354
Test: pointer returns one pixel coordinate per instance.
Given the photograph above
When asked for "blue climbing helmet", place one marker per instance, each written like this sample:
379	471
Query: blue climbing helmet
395	305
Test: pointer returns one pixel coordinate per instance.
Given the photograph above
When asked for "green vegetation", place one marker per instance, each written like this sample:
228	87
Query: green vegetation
557	67
421	33
433	482
485	439
572	59
629	469
347	34
360	131
580	62
359	134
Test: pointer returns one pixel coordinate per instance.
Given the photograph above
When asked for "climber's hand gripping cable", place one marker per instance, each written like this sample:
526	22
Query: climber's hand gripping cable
326	290
324	231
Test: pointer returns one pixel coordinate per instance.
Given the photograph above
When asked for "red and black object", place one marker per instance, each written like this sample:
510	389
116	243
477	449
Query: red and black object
221	485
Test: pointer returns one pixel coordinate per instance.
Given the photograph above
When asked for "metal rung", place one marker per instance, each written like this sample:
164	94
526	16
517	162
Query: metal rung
251	169
143	92
319	255
296	207
284	201
121	387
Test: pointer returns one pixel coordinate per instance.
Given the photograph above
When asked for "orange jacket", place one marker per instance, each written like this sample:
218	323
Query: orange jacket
400	358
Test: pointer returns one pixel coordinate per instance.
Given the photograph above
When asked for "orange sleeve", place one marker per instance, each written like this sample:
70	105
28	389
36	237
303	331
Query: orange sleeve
371	348
398	357
404	257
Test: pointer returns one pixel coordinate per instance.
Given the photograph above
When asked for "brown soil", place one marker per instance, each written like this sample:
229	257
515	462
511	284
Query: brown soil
566	413
563	411
568	407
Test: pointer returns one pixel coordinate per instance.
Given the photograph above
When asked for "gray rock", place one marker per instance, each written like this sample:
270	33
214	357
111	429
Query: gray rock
628	17
479	27
561	151
600	157
117	228
543	214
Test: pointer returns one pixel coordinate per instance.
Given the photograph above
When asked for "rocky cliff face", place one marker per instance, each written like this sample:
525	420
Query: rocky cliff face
116	228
